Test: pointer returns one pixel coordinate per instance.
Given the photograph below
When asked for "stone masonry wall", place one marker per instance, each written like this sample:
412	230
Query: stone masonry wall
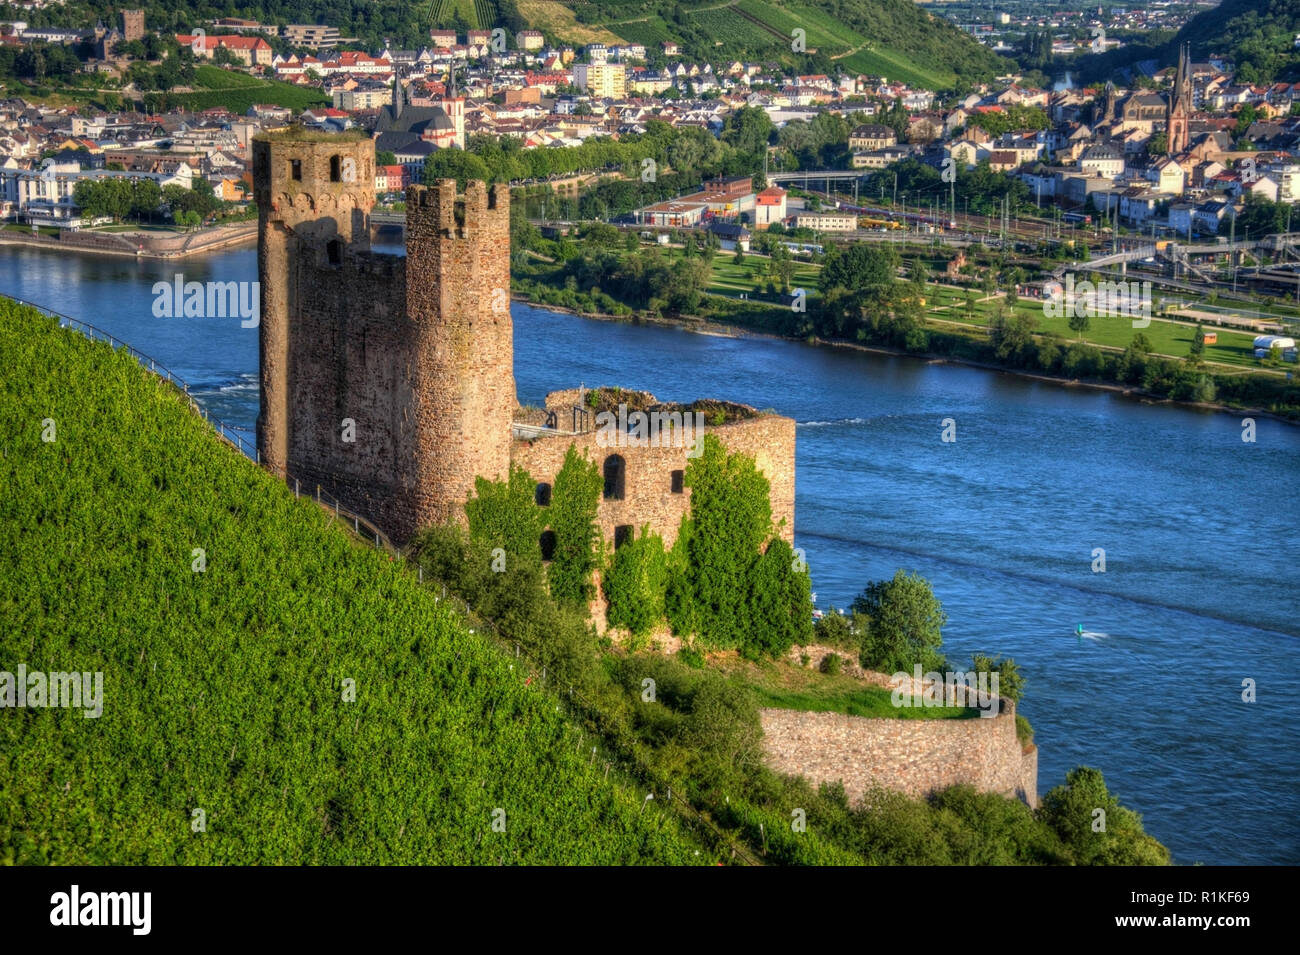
348	363
914	757
462	372
648	497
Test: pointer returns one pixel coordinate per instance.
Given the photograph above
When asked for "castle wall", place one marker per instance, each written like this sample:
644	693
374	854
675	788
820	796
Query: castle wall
911	756
648	495
351	350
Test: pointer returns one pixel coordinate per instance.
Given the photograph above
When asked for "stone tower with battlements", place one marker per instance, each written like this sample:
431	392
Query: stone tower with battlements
386	380
462	368
132	25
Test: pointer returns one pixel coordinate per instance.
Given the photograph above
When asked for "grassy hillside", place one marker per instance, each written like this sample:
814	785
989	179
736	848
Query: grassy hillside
223	689
212	87
892	38
238	91
556	19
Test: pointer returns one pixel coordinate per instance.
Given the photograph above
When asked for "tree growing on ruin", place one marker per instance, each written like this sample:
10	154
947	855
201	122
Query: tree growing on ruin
572	518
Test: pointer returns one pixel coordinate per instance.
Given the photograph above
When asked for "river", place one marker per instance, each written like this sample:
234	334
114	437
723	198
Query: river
1198	528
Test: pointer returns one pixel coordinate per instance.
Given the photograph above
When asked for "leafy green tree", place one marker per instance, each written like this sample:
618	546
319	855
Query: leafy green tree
988	829
572	517
455	164
505	517
1258	218
635	584
223	57
1079	322
1011	684
748	131
731	520
906	624
781	608
1012	337
89	198
1093	825
861	266
146	197
842	630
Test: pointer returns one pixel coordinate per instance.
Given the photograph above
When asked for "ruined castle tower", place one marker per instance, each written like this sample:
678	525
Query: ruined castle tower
386	380
312	205
462	369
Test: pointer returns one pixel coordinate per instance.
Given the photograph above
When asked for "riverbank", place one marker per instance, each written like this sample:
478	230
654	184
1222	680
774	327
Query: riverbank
706	326
138	245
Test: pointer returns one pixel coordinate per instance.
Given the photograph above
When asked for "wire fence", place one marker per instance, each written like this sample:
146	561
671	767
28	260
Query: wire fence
577	708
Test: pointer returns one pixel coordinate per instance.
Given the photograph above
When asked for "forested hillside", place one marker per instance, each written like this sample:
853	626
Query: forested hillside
1257	35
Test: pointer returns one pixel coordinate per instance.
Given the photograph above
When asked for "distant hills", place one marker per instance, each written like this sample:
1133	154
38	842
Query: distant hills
1258	36
890	38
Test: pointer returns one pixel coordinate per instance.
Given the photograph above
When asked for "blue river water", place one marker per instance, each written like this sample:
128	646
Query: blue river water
1199	528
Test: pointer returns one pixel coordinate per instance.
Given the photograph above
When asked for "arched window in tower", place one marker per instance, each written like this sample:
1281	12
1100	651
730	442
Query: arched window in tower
543	494
295	169
547	542
615	472
336	169
334	252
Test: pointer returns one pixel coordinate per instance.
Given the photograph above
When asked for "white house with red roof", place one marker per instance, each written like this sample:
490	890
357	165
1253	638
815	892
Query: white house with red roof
769	207
249	50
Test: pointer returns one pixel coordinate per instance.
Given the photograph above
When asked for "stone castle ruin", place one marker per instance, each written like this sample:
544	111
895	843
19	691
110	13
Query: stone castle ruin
389	380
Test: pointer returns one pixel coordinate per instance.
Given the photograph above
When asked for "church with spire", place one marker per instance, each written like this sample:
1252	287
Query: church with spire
404	127
1179	112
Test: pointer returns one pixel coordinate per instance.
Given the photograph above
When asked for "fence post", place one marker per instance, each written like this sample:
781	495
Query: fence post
295	487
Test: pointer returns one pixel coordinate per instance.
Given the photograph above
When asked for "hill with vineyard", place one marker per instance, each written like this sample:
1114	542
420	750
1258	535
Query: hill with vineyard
890	38
274	691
